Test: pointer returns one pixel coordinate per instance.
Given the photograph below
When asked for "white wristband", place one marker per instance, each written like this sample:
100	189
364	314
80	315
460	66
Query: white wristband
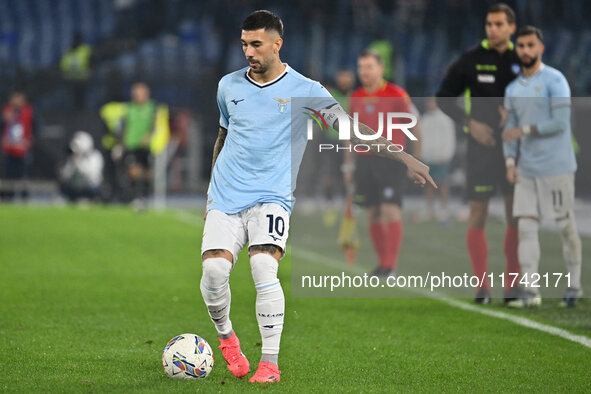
526	129
510	161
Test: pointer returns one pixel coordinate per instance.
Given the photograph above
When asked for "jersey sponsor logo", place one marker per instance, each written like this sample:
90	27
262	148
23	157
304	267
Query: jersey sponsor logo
236	101
486	78
275	238
282	104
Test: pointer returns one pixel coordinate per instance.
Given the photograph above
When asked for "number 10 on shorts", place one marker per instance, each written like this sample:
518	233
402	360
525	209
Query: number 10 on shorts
276	225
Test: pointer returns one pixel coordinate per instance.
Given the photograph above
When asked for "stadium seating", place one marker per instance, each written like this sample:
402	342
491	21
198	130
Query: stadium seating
186	41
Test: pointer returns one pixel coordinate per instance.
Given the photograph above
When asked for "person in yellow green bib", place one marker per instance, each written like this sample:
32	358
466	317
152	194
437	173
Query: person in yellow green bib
137	127
75	66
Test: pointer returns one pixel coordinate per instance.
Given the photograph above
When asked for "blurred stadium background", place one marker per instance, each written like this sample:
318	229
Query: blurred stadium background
182	47
90	296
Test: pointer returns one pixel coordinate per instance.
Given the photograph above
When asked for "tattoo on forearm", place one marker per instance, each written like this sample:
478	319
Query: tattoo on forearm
219	144
383	152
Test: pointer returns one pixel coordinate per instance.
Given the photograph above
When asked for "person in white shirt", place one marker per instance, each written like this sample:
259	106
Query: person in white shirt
438	149
82	175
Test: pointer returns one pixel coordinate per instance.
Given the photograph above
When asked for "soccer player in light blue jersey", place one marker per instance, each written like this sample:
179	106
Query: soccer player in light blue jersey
542	165
250	196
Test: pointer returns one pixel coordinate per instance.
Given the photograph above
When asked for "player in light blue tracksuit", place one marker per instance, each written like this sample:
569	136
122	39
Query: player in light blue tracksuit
542	164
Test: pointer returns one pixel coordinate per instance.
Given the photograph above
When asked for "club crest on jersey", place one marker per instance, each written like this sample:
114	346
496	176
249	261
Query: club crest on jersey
515	68
282	104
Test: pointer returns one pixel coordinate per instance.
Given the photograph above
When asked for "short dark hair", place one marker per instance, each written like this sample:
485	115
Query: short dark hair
18	92
502	7
529	30
263	19
371	53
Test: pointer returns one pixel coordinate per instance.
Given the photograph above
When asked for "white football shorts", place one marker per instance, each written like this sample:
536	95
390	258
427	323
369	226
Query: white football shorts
263	223
550	197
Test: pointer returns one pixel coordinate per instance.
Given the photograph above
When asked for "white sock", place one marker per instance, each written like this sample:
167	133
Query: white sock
270	303
215	289
528	250
571	248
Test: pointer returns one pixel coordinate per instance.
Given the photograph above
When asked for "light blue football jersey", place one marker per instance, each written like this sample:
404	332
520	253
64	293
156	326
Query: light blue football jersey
542	99
262	151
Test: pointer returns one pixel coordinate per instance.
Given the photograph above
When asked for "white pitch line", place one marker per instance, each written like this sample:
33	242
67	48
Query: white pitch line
522	321
309	255
519	320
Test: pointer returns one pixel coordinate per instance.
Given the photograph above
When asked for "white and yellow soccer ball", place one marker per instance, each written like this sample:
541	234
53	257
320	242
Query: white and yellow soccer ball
187	356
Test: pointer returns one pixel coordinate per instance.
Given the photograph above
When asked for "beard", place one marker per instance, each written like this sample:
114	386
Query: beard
260	68
529	64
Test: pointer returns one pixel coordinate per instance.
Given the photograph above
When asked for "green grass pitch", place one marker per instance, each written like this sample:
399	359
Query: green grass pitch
89	298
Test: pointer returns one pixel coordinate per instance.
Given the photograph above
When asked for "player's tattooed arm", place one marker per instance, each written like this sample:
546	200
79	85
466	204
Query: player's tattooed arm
217	148
219	144
417	171
380	146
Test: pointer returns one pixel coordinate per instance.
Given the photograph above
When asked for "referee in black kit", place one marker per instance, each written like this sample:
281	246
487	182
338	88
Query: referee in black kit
485	71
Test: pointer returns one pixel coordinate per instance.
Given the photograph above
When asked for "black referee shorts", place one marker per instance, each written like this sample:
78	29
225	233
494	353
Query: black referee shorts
379	180
485	172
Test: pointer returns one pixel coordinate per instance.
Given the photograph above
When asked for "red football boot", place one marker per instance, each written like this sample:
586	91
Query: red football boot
267	373
236	360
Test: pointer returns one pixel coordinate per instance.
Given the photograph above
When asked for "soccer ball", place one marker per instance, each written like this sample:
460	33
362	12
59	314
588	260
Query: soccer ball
187	356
